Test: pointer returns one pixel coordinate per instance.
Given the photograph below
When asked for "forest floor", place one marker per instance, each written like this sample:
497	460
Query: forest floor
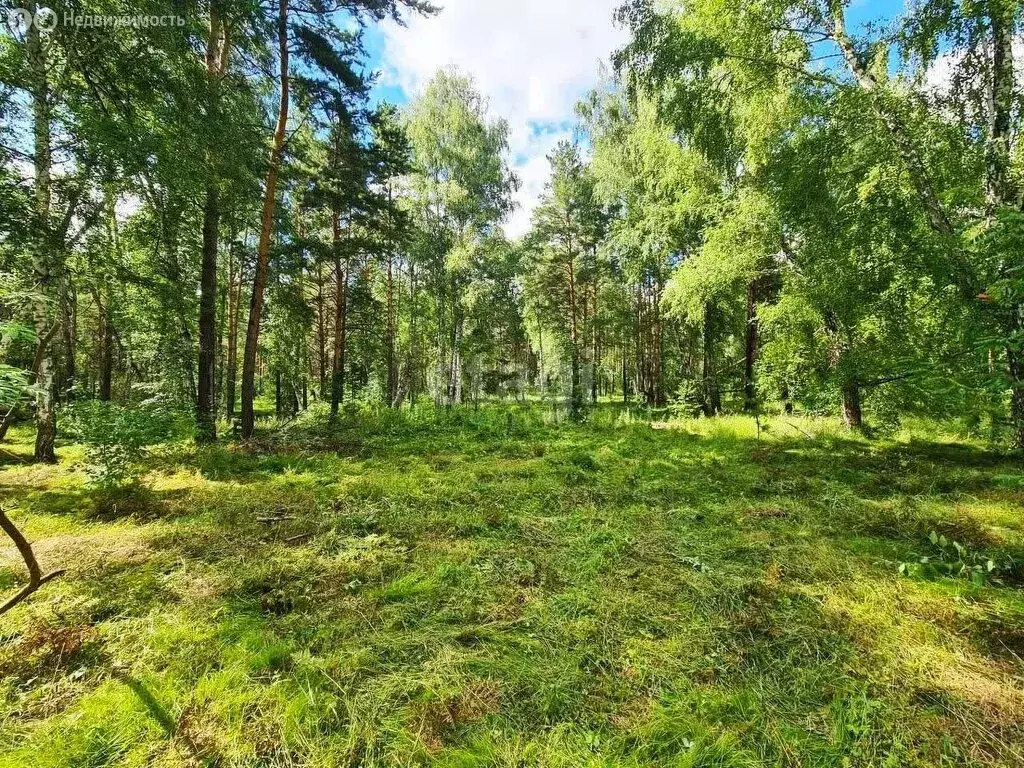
485	589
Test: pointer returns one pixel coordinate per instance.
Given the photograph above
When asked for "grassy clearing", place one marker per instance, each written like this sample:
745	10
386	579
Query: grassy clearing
487	589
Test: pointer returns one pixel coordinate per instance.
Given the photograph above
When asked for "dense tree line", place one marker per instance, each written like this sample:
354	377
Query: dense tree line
767	209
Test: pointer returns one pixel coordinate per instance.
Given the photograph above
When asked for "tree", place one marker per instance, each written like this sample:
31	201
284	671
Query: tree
461	189
391	159
323	47
218	49
742	83
565	233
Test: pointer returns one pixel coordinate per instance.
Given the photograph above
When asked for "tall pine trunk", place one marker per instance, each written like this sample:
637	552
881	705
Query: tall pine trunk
576	386
105	309
206	423
206	397
259	283
625	375
231	363
223	296
391	358
321	332
413	366
340	320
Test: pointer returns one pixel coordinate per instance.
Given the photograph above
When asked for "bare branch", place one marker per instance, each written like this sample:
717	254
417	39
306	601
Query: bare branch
36	579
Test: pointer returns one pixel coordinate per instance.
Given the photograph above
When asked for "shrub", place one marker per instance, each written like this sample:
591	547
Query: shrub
116	436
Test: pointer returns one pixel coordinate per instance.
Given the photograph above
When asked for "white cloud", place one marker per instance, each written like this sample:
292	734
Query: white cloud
533	59
938	79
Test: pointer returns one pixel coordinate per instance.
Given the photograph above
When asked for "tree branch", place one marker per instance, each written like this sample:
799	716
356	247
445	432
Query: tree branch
36	579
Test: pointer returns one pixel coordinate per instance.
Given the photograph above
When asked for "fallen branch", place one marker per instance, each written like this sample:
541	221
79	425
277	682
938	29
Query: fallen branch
35	575
14	456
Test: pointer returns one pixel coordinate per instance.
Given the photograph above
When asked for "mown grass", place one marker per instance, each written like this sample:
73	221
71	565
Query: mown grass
490	589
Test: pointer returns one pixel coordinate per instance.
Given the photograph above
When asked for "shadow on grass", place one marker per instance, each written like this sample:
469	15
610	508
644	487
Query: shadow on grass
173	729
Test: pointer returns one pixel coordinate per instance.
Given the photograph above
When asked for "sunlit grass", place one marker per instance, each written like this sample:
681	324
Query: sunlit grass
497	587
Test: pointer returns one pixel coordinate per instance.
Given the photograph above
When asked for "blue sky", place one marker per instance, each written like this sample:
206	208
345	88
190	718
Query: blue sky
533	60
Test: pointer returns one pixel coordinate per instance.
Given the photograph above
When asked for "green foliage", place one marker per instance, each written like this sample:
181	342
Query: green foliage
952	559
116	436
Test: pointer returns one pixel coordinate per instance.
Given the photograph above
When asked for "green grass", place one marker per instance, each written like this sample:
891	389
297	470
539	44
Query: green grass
492	589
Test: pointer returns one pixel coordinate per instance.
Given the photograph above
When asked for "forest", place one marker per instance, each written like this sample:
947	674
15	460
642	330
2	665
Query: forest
308	459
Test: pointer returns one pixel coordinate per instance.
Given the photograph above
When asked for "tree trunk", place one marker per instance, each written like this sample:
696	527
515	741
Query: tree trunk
458	326
106	356
223	296
625	375
542	382
45	259
391	361
576	388
231	364
1016	367
206	423
905	144
999	184
321	332
838	348
712	395
576	392
595	354
852	416
750	353
259	283
206	396
69	324
454	388
340	320
658	328
5	423
413	309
